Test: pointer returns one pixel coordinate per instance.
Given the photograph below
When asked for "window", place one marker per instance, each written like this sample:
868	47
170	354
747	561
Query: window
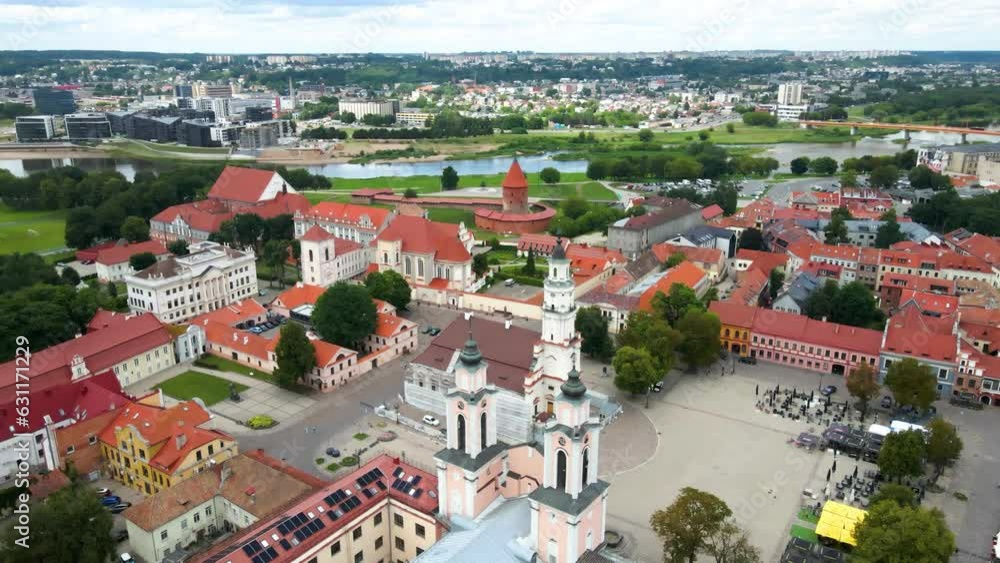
943	373
400	544
197	517
397	520
378	542
70	449
359	557
208	511
357	532
184	524
335	548
378	519
561	470
163	535
421	532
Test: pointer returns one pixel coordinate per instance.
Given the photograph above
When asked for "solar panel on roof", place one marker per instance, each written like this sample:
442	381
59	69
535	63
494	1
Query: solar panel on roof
257	559
417	493
398	472
381	485
248	550
345	507
355	502
416	480
320	524
333	516
378	472
368	493
273	553
264	557
299	535
284	543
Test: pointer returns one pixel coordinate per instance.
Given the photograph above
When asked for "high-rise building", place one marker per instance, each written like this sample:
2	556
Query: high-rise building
790	94
33	128
363	108
83	126
183	91
257	113
49	101
203	90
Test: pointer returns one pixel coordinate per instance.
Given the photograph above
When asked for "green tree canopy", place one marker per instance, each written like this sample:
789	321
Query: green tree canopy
884	177
688	524
751	239
889	232
862	384
391	287
674	259
674	305
135	229
344	314
824	165
892	533
549	175
275	255
645	135
71	526
944	446
800	165
593	328
912	383
296	356
635	370
178	247
449	178
902	455
646	331
894	492
700	344
141	261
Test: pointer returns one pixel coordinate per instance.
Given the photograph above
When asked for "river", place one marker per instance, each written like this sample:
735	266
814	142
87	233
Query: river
784	153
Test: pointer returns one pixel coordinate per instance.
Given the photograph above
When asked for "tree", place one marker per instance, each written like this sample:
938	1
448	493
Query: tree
800	165
593	328
529	268
70	276
674	259
893	533
449	178
635	371
275	255
922	178
410	193
135	229
651	333
731	544
683	168
598	169
703	135
912	384
863	385
944	446
884	177
894	492
888	232
776	281
902	455
835	231
344	314
700	346
645	135
178	247
141	261
549	175
391	287
295	354
751	239
849	179
71	526
824	165
348	117
574	207
480	265
730	128
687	526
247	229
673	306
760	118
81	227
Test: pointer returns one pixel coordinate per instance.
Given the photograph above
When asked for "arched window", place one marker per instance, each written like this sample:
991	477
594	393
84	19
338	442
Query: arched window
385	257
482	431
310	255
420	268
561	470
461	432
408	266
327	251
727	333
586	467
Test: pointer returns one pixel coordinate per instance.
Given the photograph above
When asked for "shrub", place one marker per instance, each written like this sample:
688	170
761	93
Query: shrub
349	461
361	436
333	467
260	421
320	460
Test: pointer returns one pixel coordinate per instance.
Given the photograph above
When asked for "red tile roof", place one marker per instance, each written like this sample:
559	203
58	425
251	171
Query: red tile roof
101	350
119	254
206	215
300	294
104	318
241	184
664	250
388	325
340	245
919	283
232	314
348	213
750	287
240	340
316	234
685	273
910	333
327	353
711	212
929	302
515	177
85	398
800	328
420	236
733	314
763	261
229	550
282	204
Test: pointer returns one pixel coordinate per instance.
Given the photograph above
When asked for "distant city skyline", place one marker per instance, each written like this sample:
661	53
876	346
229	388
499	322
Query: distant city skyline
352	26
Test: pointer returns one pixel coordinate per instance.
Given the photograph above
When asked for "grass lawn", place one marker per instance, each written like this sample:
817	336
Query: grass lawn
746	135
222	364
431	184
154	151
448	215
804	533
291	275
191	384
316	197
31	231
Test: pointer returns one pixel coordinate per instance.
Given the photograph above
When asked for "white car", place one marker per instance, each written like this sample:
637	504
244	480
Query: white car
430	420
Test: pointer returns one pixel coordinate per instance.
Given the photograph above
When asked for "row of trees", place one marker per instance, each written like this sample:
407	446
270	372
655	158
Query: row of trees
323	132
850	304
577	216
946	211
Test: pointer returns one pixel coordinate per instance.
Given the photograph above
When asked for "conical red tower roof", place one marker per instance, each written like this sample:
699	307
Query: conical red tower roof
515	177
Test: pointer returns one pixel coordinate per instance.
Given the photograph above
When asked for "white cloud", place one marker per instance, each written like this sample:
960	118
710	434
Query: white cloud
539	25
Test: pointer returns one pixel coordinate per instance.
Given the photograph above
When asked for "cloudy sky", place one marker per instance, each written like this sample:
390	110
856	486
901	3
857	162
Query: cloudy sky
315	26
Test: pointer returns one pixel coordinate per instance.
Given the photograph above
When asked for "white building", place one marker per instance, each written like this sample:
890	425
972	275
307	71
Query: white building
327	259
181	287
412	118
363	108
790	94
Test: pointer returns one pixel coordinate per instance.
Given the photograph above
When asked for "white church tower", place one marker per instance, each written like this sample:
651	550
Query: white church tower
558	353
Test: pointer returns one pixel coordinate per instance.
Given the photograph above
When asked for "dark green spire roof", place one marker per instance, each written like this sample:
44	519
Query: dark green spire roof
470	355
574	388
558	253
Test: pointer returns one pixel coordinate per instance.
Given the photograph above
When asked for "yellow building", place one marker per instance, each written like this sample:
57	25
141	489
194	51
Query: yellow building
737	322
150	448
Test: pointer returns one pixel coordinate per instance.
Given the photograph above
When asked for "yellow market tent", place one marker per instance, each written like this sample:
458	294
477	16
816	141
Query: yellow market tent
838	521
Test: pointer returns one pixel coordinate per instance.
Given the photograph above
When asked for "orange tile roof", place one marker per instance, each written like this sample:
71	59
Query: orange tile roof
685	273
328	353
929	302
388	325
913	334
800	328
748	291
241	184
515	177
617	282
232	314
348	213
300	294
119	254
239	340
733	314
664	250
763	261
420	236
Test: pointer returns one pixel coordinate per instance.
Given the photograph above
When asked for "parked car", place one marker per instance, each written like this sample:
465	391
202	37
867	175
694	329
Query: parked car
110	500
886	402
828	390
121	535
657	387
426	329
748	360
430	420
120	507
103	492
333	452
435	331
126	558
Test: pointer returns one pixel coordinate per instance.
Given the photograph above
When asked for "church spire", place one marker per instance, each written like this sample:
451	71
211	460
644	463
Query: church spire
470	356
573	388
